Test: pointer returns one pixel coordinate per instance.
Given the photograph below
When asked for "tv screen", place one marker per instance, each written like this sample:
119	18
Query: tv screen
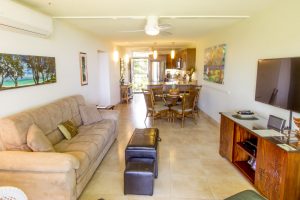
278	83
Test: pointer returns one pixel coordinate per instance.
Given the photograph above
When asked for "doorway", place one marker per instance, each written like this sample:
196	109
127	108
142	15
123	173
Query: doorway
140	74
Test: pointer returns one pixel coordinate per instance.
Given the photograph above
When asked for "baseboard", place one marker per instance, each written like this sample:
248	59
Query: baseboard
209	118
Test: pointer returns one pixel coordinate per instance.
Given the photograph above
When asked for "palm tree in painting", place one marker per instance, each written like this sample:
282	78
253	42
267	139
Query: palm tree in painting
3	70
32	63
14	68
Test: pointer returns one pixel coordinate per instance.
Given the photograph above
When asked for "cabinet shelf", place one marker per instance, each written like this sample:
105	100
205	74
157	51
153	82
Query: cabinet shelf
247	150
246	169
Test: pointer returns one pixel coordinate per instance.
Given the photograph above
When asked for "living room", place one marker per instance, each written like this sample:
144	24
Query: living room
251	30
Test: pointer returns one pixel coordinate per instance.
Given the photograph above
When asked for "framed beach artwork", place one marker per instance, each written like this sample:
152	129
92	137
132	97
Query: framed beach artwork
214	63
83	68
17	71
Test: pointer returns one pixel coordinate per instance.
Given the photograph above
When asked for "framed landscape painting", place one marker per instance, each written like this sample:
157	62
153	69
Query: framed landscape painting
214	63
17	71
83	68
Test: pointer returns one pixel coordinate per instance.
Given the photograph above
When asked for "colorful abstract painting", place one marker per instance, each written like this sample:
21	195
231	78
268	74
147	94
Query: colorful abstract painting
18	71
214	63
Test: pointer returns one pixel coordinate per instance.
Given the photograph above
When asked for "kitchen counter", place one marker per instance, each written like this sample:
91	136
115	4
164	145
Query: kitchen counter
182	85
173	83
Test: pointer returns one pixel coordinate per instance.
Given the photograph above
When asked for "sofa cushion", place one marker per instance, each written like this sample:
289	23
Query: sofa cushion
88	144
105	128
89	114
37	140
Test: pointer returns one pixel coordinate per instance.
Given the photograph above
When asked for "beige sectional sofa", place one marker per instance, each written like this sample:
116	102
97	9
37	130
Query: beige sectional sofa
62	174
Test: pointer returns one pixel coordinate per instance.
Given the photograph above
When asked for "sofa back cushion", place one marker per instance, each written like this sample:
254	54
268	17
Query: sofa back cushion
13	129
89	114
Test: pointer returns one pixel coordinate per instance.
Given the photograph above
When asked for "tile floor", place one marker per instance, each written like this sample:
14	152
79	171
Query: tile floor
190	167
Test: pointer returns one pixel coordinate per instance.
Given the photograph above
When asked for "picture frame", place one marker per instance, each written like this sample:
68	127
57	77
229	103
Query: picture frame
18	71
214	63
83	68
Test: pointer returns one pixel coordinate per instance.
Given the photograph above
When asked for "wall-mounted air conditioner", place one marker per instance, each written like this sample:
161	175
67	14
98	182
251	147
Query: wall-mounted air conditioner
22	19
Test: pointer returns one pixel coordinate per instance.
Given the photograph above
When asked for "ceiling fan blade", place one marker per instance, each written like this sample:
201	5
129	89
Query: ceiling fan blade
132	31
165	33
164	26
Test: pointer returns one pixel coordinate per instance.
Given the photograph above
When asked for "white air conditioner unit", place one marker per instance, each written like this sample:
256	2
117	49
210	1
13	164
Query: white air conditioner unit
22	19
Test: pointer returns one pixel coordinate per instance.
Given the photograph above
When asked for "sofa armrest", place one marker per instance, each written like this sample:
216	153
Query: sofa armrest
37	161
110	114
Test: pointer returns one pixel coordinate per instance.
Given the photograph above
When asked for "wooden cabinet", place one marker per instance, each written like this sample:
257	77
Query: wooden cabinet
226	138
277	175
270	164
277	171
170	63
184	59
188	58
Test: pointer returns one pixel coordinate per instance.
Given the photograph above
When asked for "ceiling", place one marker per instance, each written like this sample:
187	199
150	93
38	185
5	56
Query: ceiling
184	31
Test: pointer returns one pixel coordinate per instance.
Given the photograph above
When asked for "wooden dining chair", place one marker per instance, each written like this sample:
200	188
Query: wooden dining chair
158	96
196	90
153	110
186	109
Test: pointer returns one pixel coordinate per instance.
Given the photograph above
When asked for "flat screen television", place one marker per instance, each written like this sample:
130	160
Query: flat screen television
278	83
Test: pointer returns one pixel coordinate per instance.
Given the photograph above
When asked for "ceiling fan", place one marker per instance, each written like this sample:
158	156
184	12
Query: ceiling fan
152	27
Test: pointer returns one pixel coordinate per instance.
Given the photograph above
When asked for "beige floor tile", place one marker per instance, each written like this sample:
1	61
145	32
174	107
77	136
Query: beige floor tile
190	187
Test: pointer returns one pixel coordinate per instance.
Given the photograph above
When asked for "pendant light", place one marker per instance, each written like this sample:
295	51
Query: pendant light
172	52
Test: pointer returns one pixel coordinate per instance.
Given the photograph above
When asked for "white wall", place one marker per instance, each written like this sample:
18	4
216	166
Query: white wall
271	34
65	45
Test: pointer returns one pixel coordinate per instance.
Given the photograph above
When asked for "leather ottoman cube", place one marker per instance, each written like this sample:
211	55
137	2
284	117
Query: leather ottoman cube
139	176
144	144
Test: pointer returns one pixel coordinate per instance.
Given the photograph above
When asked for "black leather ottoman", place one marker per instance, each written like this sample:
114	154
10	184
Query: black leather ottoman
139	176
144	144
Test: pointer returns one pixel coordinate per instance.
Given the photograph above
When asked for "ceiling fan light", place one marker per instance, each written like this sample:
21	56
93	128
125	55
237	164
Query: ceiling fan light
151	30
151	27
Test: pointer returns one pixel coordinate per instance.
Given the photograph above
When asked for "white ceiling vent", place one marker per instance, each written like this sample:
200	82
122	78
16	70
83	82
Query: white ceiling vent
18	18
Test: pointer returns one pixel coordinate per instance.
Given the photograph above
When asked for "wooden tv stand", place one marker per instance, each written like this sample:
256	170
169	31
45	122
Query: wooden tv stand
277	172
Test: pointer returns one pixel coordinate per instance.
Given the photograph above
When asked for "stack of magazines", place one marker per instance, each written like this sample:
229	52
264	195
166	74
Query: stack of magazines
245	114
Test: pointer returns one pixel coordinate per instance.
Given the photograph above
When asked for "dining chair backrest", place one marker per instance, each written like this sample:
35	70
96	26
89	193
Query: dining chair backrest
148	99
188	101
158	93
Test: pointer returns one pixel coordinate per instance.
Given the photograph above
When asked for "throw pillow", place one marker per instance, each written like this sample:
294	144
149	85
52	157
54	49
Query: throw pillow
68	129
90	114
37	140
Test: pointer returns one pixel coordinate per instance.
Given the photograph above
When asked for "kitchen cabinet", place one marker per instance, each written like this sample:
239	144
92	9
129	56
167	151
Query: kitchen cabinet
226	138
187	58
171	63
